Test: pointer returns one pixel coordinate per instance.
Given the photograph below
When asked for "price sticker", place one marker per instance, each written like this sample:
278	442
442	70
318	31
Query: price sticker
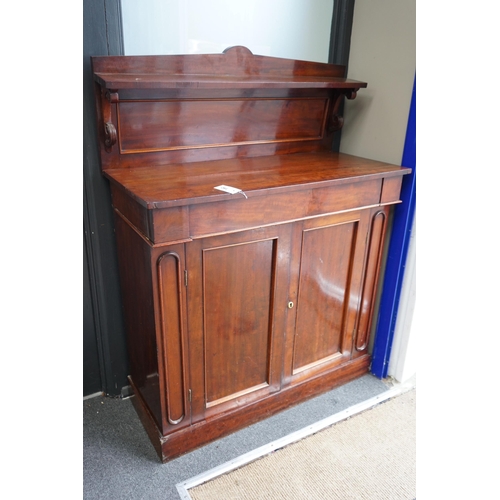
230	190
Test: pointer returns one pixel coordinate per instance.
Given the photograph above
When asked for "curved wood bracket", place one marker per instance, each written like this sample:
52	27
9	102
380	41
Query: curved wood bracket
336	120
110	134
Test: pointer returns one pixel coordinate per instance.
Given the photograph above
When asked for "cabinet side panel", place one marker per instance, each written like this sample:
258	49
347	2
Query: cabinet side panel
327	254
138	310
238	282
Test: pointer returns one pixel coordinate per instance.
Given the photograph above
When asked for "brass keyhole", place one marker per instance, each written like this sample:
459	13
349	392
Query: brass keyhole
290	305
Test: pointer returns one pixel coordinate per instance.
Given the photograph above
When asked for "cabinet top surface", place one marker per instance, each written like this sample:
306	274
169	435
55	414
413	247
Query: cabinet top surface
192	183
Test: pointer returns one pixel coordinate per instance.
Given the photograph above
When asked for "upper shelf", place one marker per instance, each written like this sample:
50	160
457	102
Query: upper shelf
236	67
159	110
113	81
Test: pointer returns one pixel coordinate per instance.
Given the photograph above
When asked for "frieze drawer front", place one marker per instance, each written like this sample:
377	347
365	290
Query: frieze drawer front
238	303
240	214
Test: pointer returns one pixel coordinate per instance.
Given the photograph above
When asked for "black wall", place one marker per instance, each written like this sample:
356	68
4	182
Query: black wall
340	44
104	353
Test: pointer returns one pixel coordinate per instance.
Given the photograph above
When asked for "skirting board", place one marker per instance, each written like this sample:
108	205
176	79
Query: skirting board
95	395
253	455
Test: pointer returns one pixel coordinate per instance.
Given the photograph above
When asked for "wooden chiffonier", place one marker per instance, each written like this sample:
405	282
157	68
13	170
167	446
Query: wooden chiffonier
237	304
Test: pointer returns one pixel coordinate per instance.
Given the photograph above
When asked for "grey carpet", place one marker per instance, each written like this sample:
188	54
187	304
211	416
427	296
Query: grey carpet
119	462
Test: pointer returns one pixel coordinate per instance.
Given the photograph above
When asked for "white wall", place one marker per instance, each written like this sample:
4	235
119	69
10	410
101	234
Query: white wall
296	29
403	362
383	53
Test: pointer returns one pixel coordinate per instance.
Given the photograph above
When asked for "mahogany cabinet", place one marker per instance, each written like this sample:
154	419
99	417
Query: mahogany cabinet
237	304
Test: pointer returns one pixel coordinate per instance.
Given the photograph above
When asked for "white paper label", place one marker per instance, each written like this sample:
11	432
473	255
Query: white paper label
230	190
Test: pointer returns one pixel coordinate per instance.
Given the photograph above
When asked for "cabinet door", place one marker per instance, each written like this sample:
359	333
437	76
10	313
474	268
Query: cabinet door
237	300
328	259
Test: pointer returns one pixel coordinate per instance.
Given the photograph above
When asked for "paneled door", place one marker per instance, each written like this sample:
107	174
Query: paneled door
237	303
327	266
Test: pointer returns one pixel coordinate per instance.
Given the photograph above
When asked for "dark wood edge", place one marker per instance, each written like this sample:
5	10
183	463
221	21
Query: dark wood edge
202	433
146	419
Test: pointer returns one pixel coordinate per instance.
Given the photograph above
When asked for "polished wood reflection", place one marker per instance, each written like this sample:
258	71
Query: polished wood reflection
238	283
238	306
324	276
168	125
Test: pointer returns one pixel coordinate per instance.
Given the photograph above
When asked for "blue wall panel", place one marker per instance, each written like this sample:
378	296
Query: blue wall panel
397	253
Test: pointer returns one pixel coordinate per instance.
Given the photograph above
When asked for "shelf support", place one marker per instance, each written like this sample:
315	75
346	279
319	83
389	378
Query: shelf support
336	120
110	136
